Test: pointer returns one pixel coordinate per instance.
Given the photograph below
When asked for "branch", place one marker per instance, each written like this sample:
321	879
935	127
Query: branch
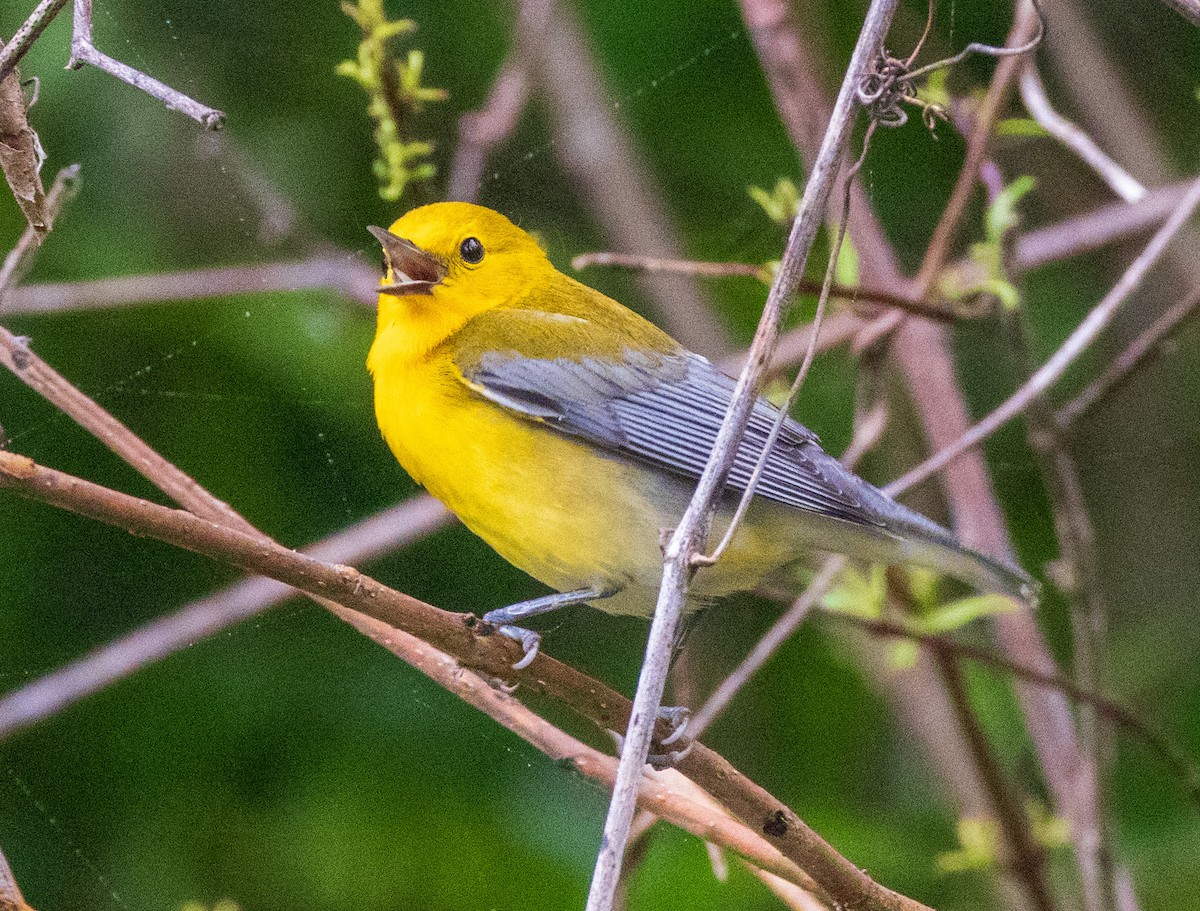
1189	9
688	539
1078	342
1033	93
29	32
62	191
83	50
1148	343
458	635
11	898
362	542
930	309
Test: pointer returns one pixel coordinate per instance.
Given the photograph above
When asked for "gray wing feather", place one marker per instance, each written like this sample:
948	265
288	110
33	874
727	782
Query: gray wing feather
666	410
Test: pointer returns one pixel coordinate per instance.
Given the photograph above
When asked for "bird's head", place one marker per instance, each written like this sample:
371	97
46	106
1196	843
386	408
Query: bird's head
449	261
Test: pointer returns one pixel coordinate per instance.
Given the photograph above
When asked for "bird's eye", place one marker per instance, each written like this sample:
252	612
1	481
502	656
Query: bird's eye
471	250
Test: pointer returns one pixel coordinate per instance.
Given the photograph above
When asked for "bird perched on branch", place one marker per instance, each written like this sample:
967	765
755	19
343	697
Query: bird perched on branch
568	432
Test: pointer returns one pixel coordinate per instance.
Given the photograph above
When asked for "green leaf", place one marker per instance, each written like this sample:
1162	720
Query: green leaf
780	203
858	593
979	841
957	614
1021	127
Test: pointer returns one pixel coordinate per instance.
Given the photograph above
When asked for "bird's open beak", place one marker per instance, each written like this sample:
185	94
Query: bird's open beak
413	270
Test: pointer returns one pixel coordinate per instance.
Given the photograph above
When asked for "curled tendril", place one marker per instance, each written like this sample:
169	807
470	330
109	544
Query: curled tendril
891	82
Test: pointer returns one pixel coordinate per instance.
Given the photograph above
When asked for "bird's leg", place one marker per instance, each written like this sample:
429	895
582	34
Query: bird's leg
503	619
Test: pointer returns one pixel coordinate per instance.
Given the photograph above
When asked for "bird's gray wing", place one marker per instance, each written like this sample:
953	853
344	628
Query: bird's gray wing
664	409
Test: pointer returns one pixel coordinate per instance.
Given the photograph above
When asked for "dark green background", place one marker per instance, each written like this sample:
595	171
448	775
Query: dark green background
290	763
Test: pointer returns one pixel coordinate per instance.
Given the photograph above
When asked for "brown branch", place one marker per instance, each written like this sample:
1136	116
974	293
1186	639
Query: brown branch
1189	9
362	542
84	51
1077	342
11	898
1027	858
1140	351
929	309
458	635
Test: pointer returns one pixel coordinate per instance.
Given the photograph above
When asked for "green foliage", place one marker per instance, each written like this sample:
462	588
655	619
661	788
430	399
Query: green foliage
985	272
978	846
780	203
396	94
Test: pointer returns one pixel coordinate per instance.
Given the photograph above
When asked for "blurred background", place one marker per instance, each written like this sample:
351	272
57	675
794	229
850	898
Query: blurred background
289	763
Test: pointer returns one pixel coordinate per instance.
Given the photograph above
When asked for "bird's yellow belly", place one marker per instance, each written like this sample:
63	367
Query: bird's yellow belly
566	513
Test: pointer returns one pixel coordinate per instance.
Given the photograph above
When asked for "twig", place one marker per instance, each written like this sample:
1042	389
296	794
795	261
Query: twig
929	309
84	51
1148	343
62	191
1118	714
1078	342
1189	9
601	160
779	633
1027	857
689	536
457	635
345	274
1033	93
11	898
1092	230
373	537
29	32
479	132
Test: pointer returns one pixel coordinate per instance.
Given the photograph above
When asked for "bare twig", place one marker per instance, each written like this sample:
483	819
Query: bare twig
64	188
779	633
346	274
1092	230
1189	9
29	32
380	534
1149	342
1026	856
688	539
1033	93
930	309
1078	342
84	51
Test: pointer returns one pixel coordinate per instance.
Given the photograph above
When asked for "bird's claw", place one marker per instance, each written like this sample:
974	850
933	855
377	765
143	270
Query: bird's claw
527	639
677	716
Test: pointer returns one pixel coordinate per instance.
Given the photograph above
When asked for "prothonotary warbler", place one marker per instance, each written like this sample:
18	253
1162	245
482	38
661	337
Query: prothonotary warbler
568	432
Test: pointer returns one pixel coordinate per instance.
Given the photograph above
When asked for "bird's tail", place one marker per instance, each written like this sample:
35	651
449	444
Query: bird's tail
977	570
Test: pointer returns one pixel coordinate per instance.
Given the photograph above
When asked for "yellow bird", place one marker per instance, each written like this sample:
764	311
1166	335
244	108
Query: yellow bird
568	432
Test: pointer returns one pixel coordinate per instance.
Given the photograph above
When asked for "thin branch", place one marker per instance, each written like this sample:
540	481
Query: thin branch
62	191
344	273
1078	342
689	537
29	32
779	633
458	635
1142	349
84	51
164	636
1189	9
1033	93
1092	230
930	309
1027	857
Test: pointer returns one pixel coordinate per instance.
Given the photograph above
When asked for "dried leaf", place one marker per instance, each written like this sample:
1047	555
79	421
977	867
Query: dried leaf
21	154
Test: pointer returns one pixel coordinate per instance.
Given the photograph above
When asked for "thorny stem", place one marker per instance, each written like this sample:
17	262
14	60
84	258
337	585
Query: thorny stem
689	537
